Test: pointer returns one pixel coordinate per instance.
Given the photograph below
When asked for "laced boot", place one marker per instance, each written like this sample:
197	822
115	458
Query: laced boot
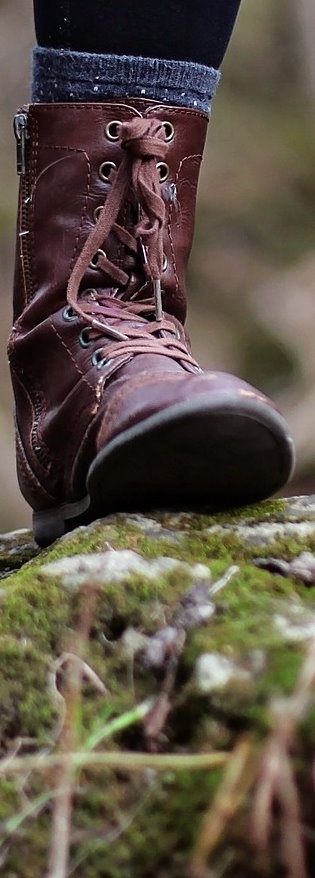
112	411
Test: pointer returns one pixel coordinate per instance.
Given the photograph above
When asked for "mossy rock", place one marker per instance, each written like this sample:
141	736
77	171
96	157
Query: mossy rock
216	668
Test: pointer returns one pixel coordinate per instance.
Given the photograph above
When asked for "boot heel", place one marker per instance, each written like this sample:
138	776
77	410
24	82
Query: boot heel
48	526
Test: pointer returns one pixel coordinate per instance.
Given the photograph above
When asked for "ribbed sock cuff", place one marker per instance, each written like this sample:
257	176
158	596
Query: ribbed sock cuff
60	75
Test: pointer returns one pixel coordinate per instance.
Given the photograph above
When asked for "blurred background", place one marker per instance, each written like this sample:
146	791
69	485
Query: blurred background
252	271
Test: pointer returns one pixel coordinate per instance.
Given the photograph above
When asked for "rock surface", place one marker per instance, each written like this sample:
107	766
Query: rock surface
157	711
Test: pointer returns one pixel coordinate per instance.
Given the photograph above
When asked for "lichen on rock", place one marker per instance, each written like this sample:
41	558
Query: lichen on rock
192	645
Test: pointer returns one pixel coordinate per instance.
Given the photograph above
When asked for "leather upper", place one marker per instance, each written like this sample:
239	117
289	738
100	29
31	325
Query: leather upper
90	357
66	404
67	146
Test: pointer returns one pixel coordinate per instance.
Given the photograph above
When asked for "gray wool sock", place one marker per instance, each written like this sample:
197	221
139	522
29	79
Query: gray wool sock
61	75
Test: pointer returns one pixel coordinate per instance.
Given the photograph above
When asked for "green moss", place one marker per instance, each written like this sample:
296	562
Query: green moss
160	814
27	710
244	616
9	800
155	831
289	547
269	510
159	836
34	609
280	677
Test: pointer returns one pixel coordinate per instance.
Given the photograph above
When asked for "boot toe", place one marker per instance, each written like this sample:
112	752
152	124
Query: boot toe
194	441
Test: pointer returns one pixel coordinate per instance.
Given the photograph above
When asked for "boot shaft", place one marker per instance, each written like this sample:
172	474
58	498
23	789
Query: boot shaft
68	156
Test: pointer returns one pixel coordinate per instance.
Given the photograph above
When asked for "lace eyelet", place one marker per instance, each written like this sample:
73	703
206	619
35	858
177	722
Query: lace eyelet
163	170
105	170
69	313
97	357
97	212
169	131
93	263
112	130
99	360
84	337
165	262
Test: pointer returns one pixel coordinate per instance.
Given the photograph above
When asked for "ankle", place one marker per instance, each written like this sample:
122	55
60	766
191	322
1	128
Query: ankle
64	76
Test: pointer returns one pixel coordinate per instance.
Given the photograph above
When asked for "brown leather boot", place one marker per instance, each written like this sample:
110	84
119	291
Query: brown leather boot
112	411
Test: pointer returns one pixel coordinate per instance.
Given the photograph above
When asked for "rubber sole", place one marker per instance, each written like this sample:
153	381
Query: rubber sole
213	453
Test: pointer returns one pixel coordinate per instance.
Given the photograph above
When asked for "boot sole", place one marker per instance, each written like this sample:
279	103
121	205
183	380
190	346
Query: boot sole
215	454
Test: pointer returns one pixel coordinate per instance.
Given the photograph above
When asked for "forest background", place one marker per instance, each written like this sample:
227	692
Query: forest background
252	270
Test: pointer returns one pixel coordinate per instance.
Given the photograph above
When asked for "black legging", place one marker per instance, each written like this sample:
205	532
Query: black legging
187	30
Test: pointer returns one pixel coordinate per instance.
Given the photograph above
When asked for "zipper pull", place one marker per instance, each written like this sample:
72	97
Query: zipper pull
21	135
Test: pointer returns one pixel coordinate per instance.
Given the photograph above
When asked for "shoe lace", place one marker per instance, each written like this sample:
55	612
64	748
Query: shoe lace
143	142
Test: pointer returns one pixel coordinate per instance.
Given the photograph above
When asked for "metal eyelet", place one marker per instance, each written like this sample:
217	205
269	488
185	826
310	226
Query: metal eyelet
84	337
97	212
93	263
112	129
105	170
169	131
99	360
97	357
165	262
69	313
163	170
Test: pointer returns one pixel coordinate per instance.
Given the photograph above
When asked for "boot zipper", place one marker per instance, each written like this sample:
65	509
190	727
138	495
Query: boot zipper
22	136
21	132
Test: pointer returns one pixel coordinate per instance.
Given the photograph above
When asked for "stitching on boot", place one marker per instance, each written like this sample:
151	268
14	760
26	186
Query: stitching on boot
82	375
44	458
21	254
26	470
86	197
178	111
97	107
84	212
185	159
76	245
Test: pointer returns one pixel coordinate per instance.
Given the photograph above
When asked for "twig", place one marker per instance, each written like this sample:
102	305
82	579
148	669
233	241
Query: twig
277	783
62	812
87	671
56	695
128	760
224	580
61	819
238	778
155	721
